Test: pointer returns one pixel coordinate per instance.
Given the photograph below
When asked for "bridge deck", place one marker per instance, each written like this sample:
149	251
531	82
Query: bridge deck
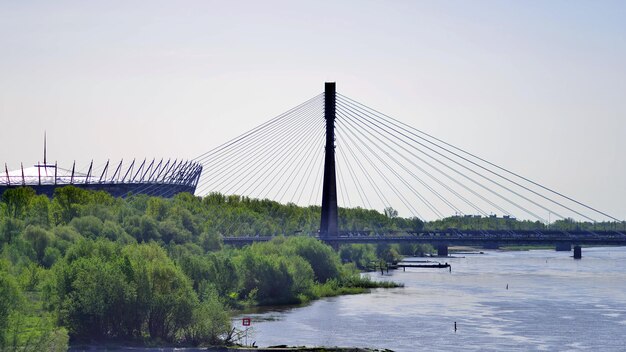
468	237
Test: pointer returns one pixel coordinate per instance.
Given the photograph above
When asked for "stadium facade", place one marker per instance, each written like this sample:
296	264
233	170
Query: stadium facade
162	178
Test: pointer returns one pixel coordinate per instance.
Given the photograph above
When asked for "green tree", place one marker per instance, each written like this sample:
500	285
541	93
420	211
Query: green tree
39	211
66	203
88	226
39	238
211	240
171	298
149	230
323	260
391	212
105	290
17	200
65	236
10	228
113	231
210	322
274	279
362	255
157	208
10	297
170	231
388	253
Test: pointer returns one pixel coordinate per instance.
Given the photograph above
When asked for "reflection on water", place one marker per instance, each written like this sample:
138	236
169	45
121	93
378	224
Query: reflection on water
553	302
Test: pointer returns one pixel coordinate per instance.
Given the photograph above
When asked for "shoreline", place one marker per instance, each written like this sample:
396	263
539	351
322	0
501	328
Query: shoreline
81	348
297	348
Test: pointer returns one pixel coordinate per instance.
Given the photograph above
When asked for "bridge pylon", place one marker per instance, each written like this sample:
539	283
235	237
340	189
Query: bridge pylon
329	220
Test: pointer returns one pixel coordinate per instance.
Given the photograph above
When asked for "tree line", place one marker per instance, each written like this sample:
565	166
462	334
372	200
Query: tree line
85	266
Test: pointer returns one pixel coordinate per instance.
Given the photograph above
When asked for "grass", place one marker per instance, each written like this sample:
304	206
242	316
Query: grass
34	329
354	284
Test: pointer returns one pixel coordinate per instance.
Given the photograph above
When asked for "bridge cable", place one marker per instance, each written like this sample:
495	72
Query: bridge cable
394	141
318	182
425	171
297	158
494	165
259	143
225	145
315	155
340	185
280	152
355	180
490	163
257	128
417	193
440	196
264	136
259	162
482	176
382	176
264	141
308	152
411	208
465	176
373	185
279	160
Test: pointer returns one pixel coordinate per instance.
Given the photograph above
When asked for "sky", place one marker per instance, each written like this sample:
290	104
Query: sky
538	87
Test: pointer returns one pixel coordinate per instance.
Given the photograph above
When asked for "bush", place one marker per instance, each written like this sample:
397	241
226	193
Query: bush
10	297
88	226
322	258
210	322
40	239
103	290
274	279
362	255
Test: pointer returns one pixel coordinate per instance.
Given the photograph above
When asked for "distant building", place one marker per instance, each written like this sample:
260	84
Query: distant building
164	179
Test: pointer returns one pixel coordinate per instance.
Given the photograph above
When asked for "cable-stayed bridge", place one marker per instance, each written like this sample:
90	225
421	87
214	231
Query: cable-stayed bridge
335	151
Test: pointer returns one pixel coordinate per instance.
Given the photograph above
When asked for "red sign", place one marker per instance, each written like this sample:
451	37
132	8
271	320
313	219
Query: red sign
246	321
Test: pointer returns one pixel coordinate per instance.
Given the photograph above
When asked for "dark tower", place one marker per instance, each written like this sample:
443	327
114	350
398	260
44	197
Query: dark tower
328	225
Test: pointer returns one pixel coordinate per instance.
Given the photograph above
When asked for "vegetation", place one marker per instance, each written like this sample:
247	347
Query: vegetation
498	223
84	266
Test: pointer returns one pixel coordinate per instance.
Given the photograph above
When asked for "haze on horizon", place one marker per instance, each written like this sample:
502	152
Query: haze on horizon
537	87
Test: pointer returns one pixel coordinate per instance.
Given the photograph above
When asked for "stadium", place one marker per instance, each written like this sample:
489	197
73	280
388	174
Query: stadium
162	178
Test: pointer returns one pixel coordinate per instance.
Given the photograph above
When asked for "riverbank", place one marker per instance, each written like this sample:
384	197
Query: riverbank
225	349
552	303
298	349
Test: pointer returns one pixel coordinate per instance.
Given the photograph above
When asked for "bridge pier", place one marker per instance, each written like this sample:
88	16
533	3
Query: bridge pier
563	247
578	252
442	250
329	224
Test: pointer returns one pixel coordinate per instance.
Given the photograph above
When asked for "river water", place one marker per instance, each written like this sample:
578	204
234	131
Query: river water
553	303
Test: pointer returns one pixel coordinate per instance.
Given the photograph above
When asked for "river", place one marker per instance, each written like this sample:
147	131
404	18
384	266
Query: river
553	303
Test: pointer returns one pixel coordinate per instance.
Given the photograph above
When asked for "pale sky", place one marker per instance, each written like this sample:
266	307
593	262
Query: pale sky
538	87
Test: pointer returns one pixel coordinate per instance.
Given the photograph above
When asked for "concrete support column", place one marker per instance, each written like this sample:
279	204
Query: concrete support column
329	224
563	247
442	250
578	252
